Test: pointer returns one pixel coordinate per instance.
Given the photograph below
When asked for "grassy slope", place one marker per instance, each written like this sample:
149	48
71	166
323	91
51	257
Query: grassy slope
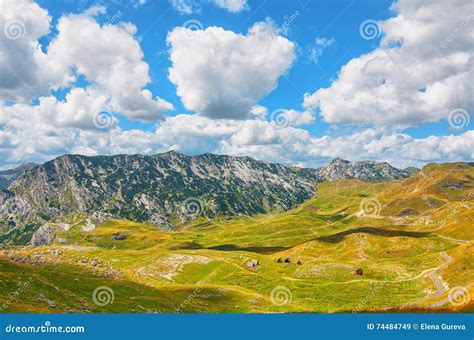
202	264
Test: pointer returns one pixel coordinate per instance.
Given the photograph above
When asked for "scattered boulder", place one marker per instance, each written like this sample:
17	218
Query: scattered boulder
101	217
280	260
64	226
119	236
287	260
407	212
299	263
51	304
43	236
89	226
46	234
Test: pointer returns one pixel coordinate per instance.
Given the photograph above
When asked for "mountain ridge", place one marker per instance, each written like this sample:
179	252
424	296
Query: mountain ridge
8	176
173	153
170	188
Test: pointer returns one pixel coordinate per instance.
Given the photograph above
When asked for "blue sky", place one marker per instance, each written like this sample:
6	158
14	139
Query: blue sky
338	20
376	109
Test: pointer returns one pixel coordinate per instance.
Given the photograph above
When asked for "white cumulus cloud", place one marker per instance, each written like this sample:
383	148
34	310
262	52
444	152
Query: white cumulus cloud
193	6
227	73
111	57
108	56
232	5
415	76
193	134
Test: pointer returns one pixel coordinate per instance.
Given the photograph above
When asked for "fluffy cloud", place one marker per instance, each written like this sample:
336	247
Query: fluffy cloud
420	72
24	69
399	149
194	134
285	144
108	56
284	117
184	6
232	5
221	74
192	6
81	108
261	139
27	134
317	48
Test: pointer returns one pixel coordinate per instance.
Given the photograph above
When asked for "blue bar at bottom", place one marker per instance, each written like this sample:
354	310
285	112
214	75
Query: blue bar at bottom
237	326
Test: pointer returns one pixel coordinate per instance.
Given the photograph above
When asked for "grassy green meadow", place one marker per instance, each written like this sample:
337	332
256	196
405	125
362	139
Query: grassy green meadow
412	238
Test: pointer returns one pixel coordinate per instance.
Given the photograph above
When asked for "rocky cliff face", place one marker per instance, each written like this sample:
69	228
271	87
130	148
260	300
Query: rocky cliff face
160	188
365	170
7	177
167	188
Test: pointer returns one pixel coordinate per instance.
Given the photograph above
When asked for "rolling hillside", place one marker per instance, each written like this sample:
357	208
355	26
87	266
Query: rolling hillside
411	238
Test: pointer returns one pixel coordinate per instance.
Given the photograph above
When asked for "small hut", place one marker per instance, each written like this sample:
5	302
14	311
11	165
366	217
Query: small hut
252	264
359	271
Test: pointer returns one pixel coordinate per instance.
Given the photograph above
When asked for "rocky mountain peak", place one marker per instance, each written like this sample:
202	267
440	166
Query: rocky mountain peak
338	161
170	188
158	188
364	170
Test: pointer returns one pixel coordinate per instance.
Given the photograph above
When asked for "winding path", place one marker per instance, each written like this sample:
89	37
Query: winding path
436	278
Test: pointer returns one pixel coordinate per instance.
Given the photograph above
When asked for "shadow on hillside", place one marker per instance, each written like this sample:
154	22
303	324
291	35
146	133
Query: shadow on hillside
260	250
231	247
335	238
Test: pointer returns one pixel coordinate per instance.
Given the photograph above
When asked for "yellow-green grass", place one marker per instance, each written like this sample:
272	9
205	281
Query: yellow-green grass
159	270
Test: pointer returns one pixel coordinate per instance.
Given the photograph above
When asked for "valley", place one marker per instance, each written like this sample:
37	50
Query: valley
411	238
